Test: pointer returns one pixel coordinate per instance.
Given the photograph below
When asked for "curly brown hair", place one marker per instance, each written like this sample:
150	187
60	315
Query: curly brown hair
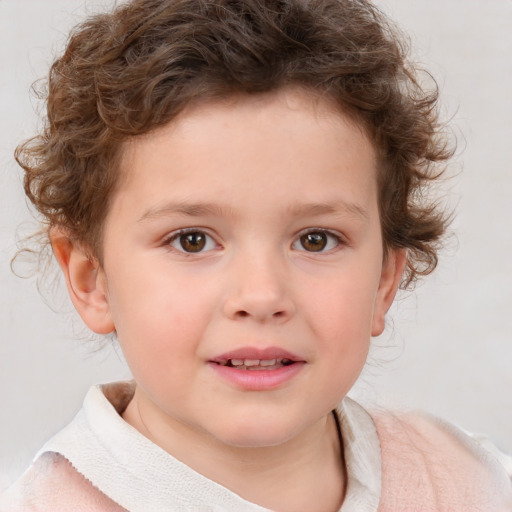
134	69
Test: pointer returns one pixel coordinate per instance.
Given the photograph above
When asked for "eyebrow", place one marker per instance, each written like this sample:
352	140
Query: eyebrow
183	208
333	207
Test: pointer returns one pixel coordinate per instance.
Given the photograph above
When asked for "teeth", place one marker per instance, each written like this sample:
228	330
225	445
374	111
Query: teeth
258	363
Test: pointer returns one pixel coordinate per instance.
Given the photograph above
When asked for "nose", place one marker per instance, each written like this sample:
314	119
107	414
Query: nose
259	289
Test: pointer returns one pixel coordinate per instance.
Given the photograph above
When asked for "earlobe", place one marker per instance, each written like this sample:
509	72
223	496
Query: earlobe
85	281
392	271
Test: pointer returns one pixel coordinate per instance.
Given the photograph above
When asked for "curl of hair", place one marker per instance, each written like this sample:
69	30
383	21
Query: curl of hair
134	69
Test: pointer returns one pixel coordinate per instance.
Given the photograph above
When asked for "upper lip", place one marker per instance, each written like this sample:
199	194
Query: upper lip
254	353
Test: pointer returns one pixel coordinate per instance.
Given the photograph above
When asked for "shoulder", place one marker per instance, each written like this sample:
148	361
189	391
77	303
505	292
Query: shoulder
428	462
52	484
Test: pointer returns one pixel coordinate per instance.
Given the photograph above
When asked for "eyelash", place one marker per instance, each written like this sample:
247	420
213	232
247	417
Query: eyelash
330	235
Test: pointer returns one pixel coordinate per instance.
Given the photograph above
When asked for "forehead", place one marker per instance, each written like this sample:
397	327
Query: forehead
290	141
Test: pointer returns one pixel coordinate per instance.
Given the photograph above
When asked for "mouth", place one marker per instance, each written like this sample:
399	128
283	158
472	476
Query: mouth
256	364
258	369
257	359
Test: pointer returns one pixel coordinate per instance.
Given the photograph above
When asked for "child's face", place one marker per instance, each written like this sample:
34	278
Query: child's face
246	230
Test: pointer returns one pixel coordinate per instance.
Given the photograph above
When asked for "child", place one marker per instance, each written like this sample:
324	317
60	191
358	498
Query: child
236	189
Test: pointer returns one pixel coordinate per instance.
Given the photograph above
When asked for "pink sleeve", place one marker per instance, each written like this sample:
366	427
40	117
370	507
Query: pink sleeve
430	465
51	484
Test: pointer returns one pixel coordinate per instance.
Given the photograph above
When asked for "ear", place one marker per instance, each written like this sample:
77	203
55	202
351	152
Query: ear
85	280
392	270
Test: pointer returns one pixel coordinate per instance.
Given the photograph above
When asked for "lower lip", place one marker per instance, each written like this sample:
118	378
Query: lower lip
258	380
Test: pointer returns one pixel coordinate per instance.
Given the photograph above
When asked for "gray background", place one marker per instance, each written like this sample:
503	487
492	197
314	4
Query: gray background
448	347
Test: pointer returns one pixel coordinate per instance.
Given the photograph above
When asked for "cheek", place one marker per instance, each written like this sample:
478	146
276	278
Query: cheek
341	320
342	309
343	334
159	317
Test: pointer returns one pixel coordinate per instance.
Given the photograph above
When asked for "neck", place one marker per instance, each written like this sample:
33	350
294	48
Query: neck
305	473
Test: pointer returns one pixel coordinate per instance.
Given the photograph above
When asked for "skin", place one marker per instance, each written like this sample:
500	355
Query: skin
254	174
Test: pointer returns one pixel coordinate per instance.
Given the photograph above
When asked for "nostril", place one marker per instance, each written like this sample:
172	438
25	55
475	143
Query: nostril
242	314
278	314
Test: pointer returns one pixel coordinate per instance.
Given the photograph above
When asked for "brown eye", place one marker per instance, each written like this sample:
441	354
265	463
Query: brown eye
314	242
193	242
317	241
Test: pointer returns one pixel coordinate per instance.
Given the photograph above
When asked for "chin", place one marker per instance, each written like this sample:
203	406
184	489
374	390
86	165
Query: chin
258	433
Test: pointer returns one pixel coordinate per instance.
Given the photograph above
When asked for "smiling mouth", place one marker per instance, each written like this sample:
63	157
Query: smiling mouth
256	364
